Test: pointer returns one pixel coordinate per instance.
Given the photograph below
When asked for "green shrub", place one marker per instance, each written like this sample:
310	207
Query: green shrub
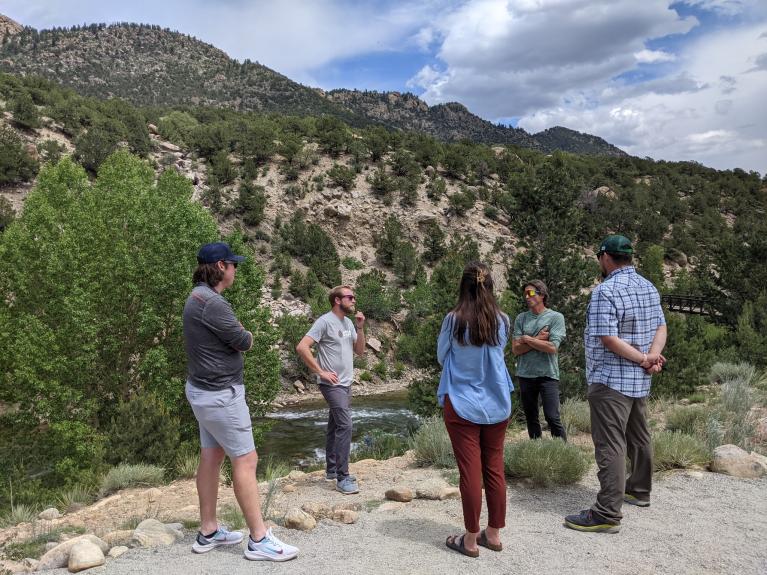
691	419
125	475
697	398
351	263
75	498
722	372
342	176
16	165
366	376
422	396
374	298
546	462
310	244
232	517
672	450
271	468
177	127
406	264
251	203
187	464
7	213
142	431
462	201
389	240
380	445
381	370
382	185
19	513
431	444
436	188
576	416
737	397
221	168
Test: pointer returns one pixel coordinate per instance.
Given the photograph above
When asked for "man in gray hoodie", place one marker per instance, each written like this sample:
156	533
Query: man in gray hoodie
215	341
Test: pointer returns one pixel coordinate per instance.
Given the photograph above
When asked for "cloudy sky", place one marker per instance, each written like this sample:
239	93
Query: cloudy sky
669	80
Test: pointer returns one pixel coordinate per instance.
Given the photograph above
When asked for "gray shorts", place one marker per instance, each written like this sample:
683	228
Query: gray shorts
224	418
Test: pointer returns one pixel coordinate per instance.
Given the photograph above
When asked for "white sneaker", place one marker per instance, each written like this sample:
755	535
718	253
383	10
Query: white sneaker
270	549
221	537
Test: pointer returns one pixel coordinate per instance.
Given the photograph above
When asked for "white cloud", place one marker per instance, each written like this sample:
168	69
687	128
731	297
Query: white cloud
726	7
653	56
507	58
701	124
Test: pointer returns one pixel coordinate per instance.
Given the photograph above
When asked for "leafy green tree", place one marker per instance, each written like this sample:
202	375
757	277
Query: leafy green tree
382	185
332	134
374	297
434	243
90	309
16	165
387	242
311	245
25	114
251	203
652	265
7	213
95	145
406	264
178	127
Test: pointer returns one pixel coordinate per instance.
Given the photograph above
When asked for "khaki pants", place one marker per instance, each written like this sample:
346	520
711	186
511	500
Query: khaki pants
619	430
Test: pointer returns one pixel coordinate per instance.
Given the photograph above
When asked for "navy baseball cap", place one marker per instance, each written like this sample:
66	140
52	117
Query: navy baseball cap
217	252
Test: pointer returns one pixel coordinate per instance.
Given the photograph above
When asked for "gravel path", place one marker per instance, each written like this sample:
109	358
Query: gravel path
698	523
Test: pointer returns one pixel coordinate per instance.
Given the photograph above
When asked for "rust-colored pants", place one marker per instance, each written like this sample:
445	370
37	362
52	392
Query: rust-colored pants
479	452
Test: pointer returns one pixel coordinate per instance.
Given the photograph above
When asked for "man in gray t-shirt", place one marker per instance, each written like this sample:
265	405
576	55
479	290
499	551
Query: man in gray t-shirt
337	341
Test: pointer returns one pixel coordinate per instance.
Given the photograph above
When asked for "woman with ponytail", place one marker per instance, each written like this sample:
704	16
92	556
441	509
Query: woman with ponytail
475	391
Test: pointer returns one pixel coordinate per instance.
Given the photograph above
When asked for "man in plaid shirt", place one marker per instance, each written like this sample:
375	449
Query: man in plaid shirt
625	335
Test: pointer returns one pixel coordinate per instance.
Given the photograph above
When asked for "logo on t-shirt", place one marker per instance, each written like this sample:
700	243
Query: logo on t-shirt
346	333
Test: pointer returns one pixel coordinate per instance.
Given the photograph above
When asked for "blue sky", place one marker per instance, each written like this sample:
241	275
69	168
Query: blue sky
679	80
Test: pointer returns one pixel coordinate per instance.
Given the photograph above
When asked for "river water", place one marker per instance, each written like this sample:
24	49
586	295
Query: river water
297	433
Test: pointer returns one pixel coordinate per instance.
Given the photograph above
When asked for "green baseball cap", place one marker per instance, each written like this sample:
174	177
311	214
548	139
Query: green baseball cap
615	245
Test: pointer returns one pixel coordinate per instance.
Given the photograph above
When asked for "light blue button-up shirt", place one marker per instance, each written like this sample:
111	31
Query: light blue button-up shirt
475	377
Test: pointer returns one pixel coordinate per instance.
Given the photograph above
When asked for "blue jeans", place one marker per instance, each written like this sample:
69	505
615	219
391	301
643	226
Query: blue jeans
531	388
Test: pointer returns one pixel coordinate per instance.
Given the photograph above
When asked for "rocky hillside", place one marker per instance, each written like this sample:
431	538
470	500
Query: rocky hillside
452	122
149	65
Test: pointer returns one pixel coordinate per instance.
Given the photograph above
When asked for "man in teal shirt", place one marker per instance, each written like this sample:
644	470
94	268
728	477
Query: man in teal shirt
535	341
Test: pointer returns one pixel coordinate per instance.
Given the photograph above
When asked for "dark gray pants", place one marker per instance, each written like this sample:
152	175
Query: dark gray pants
619	430
530	389
338	437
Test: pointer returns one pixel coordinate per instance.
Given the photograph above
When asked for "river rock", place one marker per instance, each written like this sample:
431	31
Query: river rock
168	147
49	514
374	344
296	518
289	488
121	537
732	460
390	506
296	474
153	533
85	555
346	516
299	386
400	493
317	510
430	489
59	556
115	552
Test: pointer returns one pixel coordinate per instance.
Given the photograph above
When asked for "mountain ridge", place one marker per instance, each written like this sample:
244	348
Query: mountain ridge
153	66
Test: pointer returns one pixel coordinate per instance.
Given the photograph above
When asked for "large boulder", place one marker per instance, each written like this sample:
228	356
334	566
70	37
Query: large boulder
401	493
85	555
49	514
153	533
317	510
436	489
732	460
59	556
299	519
115	552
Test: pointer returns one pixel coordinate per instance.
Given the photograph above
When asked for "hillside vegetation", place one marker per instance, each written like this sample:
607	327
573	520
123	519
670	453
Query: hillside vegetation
99	257
149	66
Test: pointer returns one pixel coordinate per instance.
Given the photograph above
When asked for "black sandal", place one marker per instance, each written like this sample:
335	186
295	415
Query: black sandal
452	544
483	542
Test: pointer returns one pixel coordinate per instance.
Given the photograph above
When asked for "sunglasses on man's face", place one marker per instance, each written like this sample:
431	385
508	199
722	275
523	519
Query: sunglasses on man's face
530	293
349	297
232	264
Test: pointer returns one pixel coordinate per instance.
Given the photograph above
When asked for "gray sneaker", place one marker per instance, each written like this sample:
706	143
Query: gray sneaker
347	485
330	476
